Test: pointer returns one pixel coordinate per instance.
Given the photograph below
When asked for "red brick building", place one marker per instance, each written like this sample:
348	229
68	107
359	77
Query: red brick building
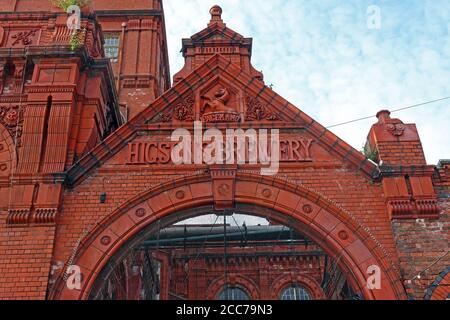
188	263
86	173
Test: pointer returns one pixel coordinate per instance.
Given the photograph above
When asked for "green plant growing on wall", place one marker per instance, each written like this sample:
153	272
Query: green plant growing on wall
369	153
77	39
64	4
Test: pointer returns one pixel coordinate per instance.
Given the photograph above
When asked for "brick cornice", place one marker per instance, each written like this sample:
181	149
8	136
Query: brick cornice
26	179
14	16
55	51
397	171
129	13
35	53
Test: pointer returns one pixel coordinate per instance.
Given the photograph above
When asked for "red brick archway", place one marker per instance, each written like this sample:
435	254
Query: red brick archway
331	227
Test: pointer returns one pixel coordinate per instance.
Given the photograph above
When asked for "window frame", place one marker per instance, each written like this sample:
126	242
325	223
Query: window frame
111	44
233	289
299	290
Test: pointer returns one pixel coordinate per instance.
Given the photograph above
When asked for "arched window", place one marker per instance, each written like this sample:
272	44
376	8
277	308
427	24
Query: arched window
295	292
233	293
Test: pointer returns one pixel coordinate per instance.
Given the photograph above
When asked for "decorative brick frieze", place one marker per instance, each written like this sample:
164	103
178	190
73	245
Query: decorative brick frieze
26	217
410	197
413	209
18	217
427	208
400	209
44	216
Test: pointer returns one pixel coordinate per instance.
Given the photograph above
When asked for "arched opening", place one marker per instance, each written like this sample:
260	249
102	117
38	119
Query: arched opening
348	247
232	294
295	292
237	256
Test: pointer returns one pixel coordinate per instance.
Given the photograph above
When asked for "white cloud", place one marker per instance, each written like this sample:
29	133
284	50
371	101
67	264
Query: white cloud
322	57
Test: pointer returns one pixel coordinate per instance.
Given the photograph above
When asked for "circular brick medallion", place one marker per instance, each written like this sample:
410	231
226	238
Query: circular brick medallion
267	193
140	212
3	167
307	209
343	235
11	117
105	240
180	194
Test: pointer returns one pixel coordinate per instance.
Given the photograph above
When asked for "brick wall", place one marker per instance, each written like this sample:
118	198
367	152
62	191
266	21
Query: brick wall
401	153
196	278
25	255
420	244
82	210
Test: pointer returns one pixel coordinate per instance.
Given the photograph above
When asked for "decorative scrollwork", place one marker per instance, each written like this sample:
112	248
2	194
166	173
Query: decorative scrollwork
24	37
396	130
183	111
256	111
12	119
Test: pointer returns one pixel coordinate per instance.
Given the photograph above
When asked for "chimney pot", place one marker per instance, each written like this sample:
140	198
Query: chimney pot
383	116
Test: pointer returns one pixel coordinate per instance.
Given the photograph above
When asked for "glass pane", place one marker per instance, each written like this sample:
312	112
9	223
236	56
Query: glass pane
231	294
295	293
111	40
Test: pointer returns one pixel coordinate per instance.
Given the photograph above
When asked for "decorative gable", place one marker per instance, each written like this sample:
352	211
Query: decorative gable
216	95
217	38
223	91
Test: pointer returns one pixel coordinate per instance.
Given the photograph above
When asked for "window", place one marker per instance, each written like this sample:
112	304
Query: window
112	46
231	294
295	292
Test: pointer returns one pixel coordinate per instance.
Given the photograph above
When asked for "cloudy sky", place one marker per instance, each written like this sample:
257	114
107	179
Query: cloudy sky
337	61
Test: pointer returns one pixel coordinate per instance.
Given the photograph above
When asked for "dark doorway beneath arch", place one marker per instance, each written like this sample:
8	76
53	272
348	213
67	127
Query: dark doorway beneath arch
232	257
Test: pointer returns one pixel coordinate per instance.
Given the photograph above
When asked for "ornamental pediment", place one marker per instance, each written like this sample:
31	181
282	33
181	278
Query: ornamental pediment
219	101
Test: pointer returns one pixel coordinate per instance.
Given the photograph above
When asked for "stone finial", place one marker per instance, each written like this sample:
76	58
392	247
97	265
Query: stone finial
383	116
216	14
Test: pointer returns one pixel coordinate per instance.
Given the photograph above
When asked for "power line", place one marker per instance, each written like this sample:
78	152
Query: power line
418	276
393	111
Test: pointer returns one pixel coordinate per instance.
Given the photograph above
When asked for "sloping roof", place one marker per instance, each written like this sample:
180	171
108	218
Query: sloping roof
219	66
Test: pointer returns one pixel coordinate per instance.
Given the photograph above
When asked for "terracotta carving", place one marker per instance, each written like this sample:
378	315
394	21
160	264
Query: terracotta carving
256	111
218	103
12	119
182	111
24	37
396	130
216	108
